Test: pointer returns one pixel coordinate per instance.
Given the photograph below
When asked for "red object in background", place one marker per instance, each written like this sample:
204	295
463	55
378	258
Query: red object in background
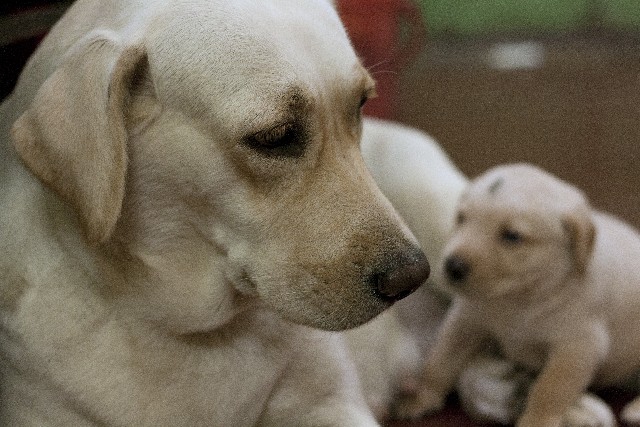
387	34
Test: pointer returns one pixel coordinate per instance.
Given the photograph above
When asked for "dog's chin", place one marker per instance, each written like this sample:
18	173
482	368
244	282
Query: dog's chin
343	319
325	310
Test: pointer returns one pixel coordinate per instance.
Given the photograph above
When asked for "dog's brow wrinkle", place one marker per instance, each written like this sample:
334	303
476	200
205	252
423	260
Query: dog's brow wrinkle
295	97
292	103
496	185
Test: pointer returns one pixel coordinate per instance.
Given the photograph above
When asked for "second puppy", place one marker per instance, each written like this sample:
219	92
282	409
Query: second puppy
553	282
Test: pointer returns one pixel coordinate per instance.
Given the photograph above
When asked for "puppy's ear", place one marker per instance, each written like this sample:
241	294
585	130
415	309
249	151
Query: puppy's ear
582	235
73	136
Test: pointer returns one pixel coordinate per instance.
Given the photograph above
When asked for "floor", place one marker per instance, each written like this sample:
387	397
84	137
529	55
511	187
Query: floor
453	416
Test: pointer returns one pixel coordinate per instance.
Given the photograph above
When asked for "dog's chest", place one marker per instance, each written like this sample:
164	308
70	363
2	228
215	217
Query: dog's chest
221	380
124	377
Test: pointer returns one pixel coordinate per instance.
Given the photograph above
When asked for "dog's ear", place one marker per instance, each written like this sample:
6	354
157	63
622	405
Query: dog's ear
582	235
73	136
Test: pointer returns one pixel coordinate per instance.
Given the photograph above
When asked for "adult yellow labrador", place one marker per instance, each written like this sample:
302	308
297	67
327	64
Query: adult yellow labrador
183	207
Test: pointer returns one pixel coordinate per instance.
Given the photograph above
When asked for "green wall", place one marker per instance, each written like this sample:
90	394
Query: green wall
472	17
623	13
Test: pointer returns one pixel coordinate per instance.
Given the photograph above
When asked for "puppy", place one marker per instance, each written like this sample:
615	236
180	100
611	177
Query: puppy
184	207
553	282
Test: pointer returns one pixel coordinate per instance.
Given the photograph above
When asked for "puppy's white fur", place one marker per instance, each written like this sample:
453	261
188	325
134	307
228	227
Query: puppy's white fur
554	282
183	203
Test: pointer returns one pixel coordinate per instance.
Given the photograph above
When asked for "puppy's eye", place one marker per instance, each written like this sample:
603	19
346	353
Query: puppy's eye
460	218
282	140
511	236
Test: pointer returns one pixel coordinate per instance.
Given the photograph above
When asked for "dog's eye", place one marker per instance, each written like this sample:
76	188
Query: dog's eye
363	100
366	95
273	137
281	140
511	236
460	218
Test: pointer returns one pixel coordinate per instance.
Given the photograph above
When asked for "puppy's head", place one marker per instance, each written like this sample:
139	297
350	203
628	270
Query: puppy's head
221	151
519	231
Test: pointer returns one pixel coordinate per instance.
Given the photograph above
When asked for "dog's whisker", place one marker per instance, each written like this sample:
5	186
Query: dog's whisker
377	64
375	73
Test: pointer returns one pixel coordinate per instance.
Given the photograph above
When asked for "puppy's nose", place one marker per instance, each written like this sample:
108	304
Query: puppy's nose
404	278
457	268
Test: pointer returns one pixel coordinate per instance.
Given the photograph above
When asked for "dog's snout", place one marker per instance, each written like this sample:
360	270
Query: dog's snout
457	268
403	278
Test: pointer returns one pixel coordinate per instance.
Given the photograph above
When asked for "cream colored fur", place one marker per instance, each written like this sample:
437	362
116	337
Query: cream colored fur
183	209
554	282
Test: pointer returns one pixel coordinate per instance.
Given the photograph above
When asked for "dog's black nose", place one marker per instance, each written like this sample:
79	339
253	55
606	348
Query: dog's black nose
457	268
403	278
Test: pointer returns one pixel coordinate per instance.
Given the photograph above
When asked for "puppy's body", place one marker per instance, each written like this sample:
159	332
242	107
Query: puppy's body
553	282
183	205
601	304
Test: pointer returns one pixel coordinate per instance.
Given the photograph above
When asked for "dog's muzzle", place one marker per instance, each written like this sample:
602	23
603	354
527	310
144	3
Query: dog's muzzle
403	278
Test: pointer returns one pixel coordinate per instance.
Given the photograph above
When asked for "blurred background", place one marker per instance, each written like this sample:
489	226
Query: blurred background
552	82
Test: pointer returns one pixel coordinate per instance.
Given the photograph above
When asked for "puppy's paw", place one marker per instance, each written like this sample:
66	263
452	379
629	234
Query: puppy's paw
494	390
424	401
631	412
589	411
536	420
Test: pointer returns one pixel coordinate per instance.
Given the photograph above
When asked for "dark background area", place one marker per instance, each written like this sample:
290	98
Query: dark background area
23	23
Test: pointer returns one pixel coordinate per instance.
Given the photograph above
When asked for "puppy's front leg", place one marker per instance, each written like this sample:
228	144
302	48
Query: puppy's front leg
458	341
569	370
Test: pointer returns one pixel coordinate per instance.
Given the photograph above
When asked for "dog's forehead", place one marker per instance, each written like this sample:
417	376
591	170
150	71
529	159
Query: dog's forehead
248	53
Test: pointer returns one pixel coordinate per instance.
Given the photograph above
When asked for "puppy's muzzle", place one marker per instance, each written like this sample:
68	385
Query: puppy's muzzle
402	278
457	268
